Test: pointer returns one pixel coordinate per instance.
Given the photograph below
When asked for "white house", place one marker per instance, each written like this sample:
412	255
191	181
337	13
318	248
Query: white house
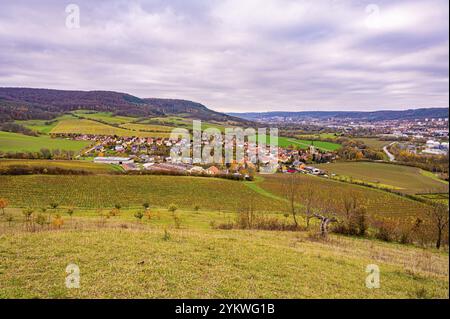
114	160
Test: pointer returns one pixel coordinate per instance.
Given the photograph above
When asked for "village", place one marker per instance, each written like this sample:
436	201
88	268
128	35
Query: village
152	155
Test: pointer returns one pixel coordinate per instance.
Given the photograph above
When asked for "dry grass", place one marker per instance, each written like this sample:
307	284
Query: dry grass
130	259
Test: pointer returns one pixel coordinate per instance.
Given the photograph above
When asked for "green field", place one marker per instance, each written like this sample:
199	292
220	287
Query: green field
378	202
130	191
318	136
44	126
82	126
210	193
147	127
406	179
14	142
324	146
374	142
74	165
303	144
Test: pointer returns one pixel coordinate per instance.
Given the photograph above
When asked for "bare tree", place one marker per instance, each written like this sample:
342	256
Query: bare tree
439	216
350	204
309	200
291	191
324	222
326	215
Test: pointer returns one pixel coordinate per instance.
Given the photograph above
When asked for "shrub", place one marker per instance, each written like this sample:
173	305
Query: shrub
384	233
3	205
166	236
41	220
70	212
172	208
114	212
138	215
9	219
177	221
58	221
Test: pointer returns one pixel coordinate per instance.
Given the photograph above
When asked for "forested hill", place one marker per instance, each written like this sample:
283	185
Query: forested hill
421	113
26	103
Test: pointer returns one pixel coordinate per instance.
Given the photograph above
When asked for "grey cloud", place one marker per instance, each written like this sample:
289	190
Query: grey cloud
234	55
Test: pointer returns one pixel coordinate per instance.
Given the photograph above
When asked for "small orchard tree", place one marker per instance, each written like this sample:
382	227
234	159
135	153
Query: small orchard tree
117	206
146	205
173	208
138	215
41	220
196	208
114	212
58	221
70	212
54	205
9	219
28	215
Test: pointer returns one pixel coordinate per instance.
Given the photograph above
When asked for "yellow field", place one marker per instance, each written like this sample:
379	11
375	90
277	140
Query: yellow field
82	126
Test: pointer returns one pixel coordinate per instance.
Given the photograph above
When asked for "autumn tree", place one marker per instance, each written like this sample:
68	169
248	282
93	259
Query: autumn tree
3	205
439	216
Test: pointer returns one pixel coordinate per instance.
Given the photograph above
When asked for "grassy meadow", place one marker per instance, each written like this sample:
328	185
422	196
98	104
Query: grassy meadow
122	257
14	142
410	180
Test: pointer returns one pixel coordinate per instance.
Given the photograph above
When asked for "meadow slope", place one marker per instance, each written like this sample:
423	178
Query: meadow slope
138	260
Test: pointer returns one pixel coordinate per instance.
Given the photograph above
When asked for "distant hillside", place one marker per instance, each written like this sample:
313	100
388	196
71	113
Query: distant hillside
25	104
369	116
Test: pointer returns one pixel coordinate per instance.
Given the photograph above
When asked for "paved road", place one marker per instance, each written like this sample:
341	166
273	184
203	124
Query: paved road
390	155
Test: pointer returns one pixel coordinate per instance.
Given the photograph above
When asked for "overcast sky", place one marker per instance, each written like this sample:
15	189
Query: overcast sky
235	55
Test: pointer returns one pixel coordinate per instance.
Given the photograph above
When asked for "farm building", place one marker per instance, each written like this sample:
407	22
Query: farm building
113	160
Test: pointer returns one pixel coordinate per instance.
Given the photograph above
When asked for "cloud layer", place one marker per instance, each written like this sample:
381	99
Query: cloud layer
235	55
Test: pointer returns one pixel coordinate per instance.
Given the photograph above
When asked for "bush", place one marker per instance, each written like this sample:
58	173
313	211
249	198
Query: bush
384	233
259	221
172	208
138	215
